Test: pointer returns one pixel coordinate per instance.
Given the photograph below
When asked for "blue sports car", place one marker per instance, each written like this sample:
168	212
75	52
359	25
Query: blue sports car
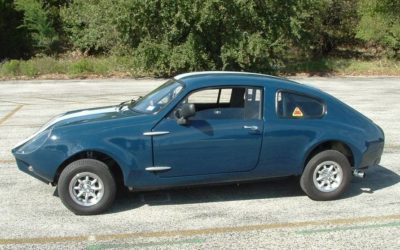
203	128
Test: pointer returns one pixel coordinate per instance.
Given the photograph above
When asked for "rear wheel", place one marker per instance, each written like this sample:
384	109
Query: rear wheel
326	176
87	187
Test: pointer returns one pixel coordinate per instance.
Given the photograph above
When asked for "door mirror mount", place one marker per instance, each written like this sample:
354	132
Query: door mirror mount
187	110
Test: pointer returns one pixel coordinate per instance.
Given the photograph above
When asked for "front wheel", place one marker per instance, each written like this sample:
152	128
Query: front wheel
87	187
326	176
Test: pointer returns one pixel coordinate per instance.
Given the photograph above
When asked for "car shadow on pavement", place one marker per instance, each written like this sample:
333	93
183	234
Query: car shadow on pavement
283	187
377	178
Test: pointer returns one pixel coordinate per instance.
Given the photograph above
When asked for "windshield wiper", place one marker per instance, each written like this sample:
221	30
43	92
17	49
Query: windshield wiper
129	102
122	104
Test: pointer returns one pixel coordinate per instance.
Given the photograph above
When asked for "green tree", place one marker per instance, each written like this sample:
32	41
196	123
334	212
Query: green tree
100	26
36	20
14	42
173	36
325	25
380	24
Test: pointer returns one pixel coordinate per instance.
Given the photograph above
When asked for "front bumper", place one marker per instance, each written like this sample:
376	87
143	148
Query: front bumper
29	169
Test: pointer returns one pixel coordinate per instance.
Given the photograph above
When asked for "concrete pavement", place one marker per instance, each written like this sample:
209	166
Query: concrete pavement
264	215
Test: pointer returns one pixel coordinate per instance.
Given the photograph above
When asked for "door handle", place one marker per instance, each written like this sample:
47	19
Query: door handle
253	128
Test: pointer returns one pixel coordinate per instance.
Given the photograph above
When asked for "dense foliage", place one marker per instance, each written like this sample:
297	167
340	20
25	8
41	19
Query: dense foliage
380	23
170	36
14	39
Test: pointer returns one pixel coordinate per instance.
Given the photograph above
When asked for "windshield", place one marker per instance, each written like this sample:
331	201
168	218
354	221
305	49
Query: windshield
158	98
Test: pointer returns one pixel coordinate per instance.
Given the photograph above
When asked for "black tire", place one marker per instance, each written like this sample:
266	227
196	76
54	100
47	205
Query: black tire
307	178
95	168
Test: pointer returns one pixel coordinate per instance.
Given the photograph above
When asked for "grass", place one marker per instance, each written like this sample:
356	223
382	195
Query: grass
113	66
345	66
49	67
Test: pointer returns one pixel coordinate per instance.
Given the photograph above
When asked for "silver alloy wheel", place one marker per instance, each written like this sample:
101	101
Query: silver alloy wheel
328	176
86	189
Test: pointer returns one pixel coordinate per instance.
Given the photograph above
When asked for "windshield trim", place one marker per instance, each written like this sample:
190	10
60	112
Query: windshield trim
173	80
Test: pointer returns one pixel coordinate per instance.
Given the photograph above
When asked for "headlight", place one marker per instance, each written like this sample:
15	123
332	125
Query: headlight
34	142
43	129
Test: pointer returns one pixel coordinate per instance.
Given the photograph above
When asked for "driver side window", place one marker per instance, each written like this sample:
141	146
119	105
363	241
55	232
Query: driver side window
239	103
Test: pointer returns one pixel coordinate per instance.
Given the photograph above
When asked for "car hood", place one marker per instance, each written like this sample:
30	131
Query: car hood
89	115
83	116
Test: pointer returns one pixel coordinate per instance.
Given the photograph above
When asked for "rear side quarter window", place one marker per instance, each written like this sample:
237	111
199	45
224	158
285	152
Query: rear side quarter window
298	106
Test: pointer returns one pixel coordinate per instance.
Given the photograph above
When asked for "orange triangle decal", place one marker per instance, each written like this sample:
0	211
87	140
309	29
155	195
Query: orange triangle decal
297	112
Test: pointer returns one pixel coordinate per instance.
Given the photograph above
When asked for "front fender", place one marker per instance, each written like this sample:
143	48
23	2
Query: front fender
126	162
125	145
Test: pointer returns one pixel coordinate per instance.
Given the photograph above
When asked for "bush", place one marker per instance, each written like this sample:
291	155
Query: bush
97	25
167	37
380	24
327	26
27	68
81	66
36	21
164	37
49	65
10	68
14	40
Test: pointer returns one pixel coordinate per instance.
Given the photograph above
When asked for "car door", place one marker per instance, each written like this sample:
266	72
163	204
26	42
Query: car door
224	136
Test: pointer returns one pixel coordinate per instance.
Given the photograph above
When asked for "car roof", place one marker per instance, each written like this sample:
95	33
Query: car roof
204	79
223	74
203	73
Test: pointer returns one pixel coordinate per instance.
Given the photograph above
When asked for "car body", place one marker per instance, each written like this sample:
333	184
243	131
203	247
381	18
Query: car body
259	127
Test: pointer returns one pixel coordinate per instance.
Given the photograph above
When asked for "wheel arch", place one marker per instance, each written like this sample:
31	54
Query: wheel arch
112	164
338	145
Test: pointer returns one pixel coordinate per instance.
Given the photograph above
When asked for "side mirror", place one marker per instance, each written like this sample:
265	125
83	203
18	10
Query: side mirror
187	110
